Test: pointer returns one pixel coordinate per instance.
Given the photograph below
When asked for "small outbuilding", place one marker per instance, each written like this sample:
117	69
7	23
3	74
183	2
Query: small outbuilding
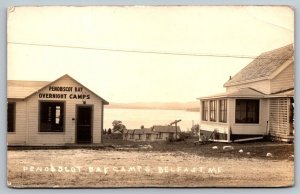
62	112
259	101
155	133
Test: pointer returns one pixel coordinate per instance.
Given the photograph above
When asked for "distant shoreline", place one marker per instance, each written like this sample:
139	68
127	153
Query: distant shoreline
190	106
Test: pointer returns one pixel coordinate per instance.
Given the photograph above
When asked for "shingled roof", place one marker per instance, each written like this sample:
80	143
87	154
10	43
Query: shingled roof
165	128
18	89
263	66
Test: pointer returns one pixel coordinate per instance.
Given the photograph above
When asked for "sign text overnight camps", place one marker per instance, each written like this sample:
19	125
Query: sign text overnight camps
64	93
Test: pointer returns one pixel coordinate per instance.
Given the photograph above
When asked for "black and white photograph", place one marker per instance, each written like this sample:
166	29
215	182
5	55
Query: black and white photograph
150	96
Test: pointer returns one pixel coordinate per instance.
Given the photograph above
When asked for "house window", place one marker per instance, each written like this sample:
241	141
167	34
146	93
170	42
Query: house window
11	116
204	110
160	136
140	136
213	110
52	116
223	111
247	111
148	136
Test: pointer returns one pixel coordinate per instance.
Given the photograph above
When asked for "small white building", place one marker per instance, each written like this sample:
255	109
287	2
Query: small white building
259	100
62	112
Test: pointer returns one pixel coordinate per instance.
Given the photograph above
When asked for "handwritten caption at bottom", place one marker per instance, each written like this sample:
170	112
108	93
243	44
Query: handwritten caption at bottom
121	169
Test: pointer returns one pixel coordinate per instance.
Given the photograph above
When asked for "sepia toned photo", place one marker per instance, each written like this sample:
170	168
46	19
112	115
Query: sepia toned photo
150	96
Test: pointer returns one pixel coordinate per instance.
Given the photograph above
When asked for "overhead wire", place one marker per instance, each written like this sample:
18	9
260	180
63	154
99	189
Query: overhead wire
149	51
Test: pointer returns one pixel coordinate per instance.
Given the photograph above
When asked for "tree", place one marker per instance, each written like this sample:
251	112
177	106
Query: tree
104	131
109	131
142	127
118	126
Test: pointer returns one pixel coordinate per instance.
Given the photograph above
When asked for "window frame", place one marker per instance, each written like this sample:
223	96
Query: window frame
213	110
14	117
40	130
148	136
223	111
257	112
160	135
205	114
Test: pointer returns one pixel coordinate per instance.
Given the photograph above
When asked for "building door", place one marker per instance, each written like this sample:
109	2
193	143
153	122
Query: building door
84	124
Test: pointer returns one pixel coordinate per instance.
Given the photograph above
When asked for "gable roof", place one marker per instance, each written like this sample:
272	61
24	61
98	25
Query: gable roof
17	89
149	131
128	131
165	128
263	65
140	131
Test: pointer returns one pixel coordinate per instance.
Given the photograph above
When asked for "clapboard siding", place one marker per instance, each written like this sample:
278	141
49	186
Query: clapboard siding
279	122
29	120
262	86
284	80
19	136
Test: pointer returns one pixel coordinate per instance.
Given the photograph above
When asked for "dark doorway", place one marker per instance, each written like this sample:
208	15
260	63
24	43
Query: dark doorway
84	124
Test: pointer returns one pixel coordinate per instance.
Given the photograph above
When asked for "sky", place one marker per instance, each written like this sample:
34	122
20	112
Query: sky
91	44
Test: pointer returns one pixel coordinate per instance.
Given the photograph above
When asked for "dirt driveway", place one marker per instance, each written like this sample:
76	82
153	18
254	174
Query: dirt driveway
112	168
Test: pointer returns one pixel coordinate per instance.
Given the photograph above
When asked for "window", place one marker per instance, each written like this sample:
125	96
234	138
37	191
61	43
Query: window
223	111
213	110
204	110
148	136
140	136
11	113
247	111
160	135
52	116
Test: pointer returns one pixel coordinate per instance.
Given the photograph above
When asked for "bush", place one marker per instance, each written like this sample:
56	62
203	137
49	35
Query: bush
186	135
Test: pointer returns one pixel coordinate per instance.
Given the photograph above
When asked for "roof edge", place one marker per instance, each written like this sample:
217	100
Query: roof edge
66	75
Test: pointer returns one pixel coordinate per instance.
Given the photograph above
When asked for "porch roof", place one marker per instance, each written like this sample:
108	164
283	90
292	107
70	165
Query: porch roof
241	93
140	131
284	93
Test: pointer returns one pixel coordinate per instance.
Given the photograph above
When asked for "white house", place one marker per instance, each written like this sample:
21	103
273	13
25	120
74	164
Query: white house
62	112
259	100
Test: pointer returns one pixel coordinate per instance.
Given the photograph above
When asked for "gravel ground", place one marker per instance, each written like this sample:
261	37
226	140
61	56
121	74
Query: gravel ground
146	168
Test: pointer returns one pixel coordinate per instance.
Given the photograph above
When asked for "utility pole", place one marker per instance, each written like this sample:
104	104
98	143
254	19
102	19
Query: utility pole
175	122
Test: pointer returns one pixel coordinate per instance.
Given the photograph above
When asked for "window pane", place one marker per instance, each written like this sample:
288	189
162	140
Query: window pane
223	111
247	111
205	110
51	116
213	110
